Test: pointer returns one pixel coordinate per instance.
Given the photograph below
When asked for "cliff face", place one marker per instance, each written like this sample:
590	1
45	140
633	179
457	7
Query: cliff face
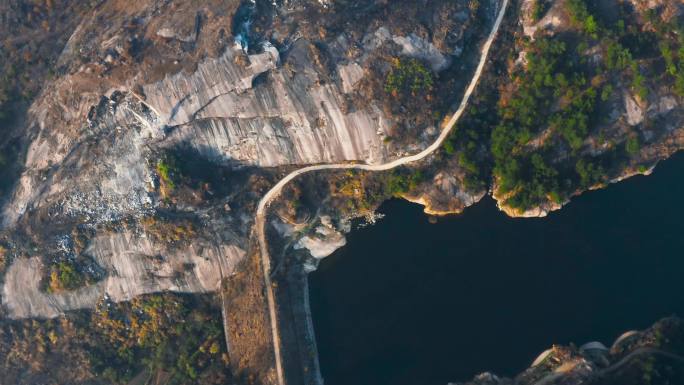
287	118
215	110
235	85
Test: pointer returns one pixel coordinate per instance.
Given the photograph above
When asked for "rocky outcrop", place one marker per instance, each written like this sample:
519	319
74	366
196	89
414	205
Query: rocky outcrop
236	108
445	194
553	19
139	79
136	81
133	266
217	110
289	117
593	363
324	241
103	178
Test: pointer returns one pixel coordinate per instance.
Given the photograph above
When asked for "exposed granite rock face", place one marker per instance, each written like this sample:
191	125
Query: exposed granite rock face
247	109
634	114
135	81
216	110
181	98
325	240
133	266
61	178
445	194
289	117
672	8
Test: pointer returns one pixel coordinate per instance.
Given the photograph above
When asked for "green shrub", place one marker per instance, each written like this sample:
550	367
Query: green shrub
632	146
589	173
449	147
582	18
538	10
65	276
399	183
606	92
638	82
158	332
617	57
165	170
408	76
679	84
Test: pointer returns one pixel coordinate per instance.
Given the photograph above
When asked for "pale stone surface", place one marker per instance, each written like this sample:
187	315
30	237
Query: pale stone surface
667	104
411	45
417	47
116	184
218	110
552	20
134	266
445	195
350	75
324	241
634	113
285	120
176	99
97	130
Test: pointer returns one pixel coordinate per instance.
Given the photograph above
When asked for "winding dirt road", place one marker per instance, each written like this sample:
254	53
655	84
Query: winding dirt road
274	192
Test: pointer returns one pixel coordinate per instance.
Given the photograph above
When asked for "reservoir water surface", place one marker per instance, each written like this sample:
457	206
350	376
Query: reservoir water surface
408	302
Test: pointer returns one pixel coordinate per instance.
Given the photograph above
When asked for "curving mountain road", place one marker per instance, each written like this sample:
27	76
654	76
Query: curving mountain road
273	193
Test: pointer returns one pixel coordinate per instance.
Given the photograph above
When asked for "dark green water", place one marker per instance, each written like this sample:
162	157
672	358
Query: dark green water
407	302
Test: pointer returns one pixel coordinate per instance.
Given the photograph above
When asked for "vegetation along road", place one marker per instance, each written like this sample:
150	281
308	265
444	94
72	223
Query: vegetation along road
275	191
